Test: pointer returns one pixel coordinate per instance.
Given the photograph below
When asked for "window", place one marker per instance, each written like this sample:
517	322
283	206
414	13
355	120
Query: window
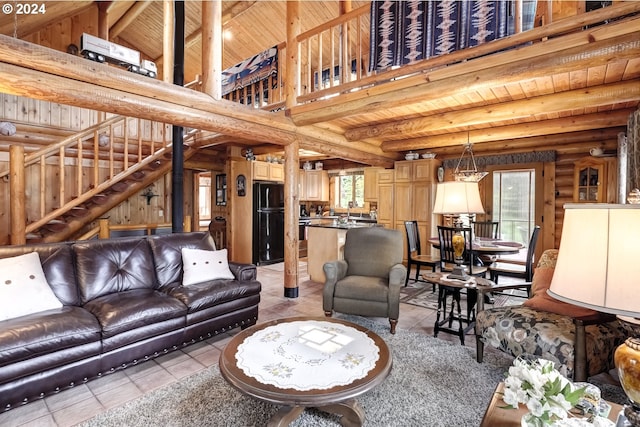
514	203
204	194
350	188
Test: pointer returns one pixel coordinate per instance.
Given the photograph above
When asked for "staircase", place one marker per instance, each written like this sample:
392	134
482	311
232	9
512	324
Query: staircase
131	163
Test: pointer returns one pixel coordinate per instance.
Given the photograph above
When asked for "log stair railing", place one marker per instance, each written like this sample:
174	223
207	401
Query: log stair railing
110	167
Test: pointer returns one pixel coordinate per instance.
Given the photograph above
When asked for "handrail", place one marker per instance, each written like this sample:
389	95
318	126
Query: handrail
550	30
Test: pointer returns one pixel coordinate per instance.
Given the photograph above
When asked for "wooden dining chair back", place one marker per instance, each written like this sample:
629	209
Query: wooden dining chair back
414	252
485	229
519	269
447	255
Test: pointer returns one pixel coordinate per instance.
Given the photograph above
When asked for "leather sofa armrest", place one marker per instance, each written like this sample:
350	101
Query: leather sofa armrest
243	272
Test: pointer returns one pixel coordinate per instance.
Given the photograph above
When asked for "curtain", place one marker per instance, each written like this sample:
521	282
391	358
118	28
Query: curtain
403	32
633	152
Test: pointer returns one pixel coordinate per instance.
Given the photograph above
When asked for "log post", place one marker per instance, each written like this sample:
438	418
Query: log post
17	195
292	160
104	231
167	41
212	48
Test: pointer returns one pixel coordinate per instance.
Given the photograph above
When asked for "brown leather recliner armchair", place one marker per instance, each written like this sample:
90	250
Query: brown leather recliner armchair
367	281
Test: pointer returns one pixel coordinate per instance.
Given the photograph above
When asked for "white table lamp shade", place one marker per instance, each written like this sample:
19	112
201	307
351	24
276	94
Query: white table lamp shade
457	197
598	264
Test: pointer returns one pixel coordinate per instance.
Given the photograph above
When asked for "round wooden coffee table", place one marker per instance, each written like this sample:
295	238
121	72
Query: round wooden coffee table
296	362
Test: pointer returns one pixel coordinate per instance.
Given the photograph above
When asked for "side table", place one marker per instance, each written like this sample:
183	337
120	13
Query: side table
452	287
498	416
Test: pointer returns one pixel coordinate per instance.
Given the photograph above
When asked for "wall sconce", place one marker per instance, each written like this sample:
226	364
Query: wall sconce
149	194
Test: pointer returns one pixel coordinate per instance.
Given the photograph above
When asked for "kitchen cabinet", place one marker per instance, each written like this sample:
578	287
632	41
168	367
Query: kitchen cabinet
371	184
315	186
266	171
324	244
386	201
415	183
595	180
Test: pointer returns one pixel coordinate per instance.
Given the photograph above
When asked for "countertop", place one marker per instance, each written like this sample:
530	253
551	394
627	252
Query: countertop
330	224
357	218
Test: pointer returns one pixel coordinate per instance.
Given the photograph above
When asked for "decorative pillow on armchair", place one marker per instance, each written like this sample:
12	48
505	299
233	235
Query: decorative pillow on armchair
541	282
24	288
200	266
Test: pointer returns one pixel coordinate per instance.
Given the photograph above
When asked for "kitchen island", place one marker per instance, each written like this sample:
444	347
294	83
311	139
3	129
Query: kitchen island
325	242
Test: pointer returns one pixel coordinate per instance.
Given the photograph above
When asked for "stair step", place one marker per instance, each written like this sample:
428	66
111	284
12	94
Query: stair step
55	226
100	199
154	165
137	176
78	212
119	187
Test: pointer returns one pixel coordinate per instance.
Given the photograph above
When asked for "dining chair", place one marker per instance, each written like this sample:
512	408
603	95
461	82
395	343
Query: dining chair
447	256
414	253
515	268
485	229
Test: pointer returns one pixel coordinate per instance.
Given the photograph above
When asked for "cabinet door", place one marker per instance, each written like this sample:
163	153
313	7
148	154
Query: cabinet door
589	181
276	172
385	204
302	185
261	171
371	184
404	171
422	201
403	202
385	176
317	183
424	170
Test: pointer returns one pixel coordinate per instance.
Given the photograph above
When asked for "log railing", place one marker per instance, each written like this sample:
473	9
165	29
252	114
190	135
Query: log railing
83	165
104	228
334	57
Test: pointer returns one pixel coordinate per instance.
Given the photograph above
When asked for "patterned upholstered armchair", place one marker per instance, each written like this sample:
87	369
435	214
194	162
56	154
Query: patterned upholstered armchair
580	341
367	281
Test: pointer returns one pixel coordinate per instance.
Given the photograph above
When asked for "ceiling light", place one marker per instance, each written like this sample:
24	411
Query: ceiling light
471	173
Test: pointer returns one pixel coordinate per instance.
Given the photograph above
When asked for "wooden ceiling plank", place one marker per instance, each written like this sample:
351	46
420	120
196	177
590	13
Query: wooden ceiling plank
55	12
572	124
600	95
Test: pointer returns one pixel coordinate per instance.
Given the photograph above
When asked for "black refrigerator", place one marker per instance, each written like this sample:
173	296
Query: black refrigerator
268	223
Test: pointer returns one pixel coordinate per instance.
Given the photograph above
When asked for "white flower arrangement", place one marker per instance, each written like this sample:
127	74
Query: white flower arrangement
542	389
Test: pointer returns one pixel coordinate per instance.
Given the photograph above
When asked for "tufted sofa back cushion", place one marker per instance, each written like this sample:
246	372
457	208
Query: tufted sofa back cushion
57	264
113	265
167	253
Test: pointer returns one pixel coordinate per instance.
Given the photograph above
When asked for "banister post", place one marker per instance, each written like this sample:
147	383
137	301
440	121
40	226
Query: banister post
104	232
17	198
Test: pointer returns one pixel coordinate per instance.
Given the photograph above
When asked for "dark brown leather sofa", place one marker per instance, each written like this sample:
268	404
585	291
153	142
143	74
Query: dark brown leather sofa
123	303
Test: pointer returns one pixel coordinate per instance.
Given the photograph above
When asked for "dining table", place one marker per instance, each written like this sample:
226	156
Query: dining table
487	246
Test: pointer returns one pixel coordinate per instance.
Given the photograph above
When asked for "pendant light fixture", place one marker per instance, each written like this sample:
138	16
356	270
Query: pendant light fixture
470	173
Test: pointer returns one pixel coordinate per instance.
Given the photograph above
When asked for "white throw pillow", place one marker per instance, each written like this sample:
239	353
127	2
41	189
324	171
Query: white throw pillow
200	266
24	288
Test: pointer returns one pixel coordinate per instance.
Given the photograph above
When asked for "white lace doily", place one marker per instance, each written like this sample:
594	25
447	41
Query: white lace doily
307	355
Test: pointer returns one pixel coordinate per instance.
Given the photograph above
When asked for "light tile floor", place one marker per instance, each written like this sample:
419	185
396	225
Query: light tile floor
82	402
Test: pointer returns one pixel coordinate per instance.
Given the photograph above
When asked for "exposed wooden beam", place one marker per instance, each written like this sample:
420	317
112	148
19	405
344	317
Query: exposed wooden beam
44	73
626	91
128	18
573	52
564	142
502	133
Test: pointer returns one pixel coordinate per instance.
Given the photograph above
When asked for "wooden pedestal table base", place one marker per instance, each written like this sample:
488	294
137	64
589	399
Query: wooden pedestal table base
340	399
